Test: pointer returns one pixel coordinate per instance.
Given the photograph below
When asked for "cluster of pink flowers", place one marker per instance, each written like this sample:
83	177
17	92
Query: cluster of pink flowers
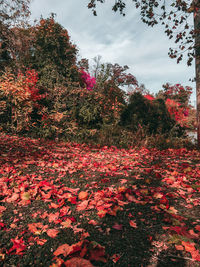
88	80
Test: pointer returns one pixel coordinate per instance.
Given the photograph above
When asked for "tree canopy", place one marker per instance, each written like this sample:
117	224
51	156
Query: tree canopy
174	15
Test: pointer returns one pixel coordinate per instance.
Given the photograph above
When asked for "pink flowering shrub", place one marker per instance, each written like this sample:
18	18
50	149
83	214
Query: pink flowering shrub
88	80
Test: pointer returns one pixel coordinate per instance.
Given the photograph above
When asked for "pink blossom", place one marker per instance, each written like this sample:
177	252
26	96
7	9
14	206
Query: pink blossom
88	80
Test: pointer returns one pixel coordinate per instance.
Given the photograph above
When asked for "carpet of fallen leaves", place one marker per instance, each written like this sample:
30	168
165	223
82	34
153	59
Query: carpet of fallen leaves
65	204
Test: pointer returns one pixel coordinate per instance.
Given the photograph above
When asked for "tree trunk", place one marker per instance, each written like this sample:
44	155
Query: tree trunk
197	62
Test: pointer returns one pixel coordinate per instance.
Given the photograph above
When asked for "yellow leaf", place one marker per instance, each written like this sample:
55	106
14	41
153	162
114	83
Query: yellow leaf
25	196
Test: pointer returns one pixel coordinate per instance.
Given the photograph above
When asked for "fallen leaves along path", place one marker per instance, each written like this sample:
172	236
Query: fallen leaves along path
64	204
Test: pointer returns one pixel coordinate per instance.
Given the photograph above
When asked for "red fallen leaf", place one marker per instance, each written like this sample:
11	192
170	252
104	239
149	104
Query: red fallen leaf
173	210
113	212
158	175
13	198
148	170
18	246
123	181
84	250
54	206
53	216
72	200
78	262
133	224
32	228
193	234
2	224
65	211
179	247
83	195
101	213
197	227
117	226
82	206
52	232
64	250
150	238
37	228
189	247
72	219
115	258
131	198
84	235
77	247
67	223
2	208
41	242
195	255
93	222
158	195
46	196
122	189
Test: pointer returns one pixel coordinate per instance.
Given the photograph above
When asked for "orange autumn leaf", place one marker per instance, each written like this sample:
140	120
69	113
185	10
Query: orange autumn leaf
179	247
189	247
53	205
64	250
101	213
67	223
195	255
93	222
52	232
133	224
83	195
32	228
13	198
53	217
2	208
41	242
37	228
82	206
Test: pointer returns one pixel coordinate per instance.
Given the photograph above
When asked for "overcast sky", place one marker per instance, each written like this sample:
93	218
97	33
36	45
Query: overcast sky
123	40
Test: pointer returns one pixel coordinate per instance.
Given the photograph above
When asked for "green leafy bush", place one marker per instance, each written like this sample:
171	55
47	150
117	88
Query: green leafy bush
151	115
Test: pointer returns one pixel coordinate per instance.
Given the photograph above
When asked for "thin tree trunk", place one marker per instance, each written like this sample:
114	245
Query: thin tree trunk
197	62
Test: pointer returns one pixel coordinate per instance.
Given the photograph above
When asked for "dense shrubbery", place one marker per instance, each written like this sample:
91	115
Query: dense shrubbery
141	112
47	94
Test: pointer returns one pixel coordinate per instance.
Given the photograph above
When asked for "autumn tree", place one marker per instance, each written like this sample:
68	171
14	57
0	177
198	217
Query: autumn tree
174	15
110	81
51	53
181	94
13	13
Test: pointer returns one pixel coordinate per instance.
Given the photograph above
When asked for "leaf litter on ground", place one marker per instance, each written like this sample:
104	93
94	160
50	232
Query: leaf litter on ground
66	203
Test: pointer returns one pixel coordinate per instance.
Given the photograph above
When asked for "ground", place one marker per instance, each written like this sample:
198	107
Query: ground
64	204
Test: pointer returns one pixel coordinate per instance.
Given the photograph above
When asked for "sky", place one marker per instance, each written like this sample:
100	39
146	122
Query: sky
117	39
